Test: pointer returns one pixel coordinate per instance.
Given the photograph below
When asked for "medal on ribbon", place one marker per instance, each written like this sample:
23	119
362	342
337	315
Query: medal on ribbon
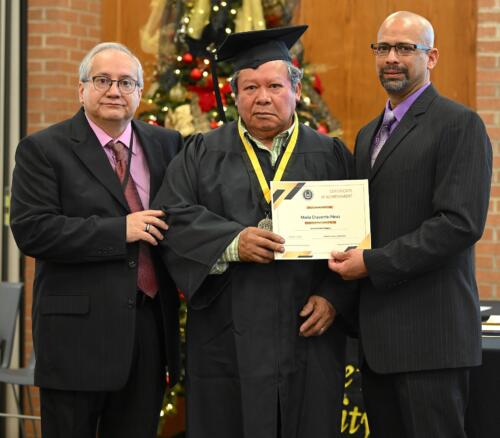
267	222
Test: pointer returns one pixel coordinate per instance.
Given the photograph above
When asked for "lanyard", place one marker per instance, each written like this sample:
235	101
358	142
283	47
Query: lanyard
283	163
127	173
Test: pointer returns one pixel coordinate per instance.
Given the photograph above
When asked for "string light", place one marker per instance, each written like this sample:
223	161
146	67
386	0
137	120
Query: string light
205	74
216	8
233	11
206	61
228	30
177	71
223	4
179	58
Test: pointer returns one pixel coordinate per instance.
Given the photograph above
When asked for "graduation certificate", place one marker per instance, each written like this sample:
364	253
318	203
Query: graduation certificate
316	217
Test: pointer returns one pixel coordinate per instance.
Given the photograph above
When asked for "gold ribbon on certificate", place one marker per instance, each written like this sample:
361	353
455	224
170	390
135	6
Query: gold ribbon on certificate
267	222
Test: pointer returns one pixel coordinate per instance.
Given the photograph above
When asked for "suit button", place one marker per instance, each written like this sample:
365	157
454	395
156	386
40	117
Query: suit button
132	264
130	303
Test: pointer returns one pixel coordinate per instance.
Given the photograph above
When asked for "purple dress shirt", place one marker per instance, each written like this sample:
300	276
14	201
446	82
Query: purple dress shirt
404	106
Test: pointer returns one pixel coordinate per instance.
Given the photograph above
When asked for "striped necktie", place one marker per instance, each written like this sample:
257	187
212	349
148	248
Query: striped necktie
382	135
146	275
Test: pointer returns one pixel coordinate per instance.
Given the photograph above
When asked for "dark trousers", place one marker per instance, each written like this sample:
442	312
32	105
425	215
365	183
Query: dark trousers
131	412
422	404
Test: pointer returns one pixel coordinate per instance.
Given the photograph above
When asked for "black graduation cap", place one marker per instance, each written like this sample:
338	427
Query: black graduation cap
251	49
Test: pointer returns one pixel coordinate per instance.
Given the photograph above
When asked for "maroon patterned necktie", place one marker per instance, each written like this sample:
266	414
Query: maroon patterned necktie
146	275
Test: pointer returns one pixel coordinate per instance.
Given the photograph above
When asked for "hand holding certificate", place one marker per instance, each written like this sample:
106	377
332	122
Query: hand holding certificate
316	217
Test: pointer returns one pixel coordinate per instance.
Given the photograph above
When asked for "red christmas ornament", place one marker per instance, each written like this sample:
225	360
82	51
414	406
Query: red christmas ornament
207	100
182	297
226	88
187	58
317	84
153	122
322	129
214	124
209	82
195	74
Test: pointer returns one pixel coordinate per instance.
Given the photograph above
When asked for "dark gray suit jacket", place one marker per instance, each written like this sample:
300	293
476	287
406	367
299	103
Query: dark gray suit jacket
68	211
429	194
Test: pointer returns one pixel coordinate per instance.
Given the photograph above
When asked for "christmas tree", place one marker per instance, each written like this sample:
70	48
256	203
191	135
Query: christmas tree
187	33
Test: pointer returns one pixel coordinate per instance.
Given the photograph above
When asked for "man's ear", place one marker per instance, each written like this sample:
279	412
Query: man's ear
298	91
433	55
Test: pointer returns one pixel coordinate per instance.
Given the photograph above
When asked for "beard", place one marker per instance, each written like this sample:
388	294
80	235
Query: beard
393	85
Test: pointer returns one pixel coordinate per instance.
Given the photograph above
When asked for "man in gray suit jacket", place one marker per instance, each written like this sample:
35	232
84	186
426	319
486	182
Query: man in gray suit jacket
428	161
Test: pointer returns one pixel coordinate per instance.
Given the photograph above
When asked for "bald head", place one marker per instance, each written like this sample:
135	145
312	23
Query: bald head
414	23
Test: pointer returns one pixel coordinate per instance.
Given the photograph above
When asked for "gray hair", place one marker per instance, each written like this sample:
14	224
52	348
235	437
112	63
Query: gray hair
294	75
86	64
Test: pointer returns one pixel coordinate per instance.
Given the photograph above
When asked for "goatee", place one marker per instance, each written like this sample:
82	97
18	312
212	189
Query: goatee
394	85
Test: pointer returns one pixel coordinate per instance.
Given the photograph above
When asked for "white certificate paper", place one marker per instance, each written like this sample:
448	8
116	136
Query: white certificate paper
316	217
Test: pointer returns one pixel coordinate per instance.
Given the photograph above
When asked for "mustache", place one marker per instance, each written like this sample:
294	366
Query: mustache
394	68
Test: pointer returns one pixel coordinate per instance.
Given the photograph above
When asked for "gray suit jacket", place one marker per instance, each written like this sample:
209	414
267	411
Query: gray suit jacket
429	194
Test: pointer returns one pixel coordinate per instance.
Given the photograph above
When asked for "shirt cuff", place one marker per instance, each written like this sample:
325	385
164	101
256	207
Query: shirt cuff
229	255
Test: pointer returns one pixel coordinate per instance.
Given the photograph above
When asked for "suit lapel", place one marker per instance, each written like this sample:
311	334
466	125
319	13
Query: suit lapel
363	148
88	149
403	128
407	124
152	150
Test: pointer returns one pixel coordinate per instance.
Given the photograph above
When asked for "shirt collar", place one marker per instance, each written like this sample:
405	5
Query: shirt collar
286	133
104	138
405	105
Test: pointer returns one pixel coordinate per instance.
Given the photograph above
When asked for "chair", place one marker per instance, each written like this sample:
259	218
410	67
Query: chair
10	299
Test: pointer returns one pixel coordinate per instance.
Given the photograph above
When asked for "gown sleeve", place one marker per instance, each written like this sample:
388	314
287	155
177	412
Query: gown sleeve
197	237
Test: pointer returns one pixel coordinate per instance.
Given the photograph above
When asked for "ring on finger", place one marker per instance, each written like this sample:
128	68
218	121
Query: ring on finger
146	228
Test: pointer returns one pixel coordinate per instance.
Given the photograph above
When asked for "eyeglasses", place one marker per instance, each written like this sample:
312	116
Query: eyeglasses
402	49
103	83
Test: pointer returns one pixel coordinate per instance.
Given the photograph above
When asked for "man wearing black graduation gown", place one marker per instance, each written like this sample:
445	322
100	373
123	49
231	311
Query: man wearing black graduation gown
263	357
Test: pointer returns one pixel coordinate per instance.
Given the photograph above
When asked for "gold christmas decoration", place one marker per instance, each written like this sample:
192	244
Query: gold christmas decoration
149	34
250	16
177	93
181	120
200	16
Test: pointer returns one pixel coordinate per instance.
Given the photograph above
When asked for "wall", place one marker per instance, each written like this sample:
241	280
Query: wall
60	32
347	27
488	106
